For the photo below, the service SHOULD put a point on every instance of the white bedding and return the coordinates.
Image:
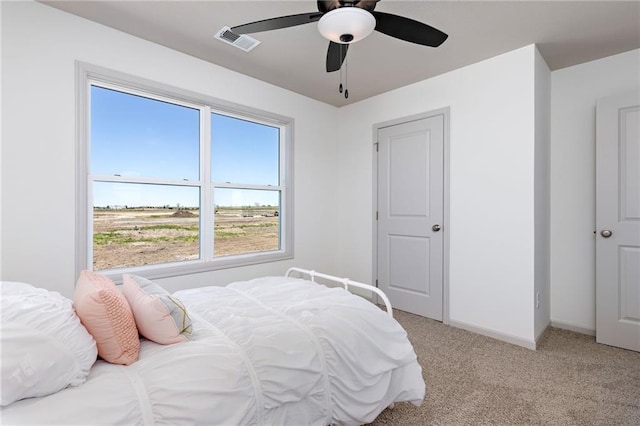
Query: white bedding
(273, 351)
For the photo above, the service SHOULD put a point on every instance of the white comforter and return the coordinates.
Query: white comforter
(271, 351)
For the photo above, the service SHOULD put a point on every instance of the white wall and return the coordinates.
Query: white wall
(39, 48)
(574, 92)
(542, 154)
(491, 187)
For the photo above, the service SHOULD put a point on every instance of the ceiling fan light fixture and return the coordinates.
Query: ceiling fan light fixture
(346, 25)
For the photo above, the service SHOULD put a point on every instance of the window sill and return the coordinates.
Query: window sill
(196, 266)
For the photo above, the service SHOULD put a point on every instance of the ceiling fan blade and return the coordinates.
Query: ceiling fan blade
(408, 30)
(277, 23)
(335, 56)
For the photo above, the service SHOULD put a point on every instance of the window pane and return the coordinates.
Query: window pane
(246, 221)
(136, 224)
(137, 136)
(243, 151)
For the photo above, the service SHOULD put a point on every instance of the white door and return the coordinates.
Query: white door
(410, 215)
(618, 221)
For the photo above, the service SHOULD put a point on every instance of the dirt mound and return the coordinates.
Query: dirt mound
(182, 213)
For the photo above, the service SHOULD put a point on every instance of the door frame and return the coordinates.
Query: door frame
(444, 112)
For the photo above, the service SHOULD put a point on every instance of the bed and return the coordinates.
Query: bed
(281, 350)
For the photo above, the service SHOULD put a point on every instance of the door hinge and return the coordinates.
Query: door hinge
(376, 282)
(377, 146)
(376, 215)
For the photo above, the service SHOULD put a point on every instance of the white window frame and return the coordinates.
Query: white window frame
(88, 75)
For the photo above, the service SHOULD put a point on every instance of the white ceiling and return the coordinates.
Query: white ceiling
(566, 32)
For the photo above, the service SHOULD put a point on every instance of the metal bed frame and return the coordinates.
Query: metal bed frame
(346, 282)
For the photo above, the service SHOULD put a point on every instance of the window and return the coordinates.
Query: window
(173, 182)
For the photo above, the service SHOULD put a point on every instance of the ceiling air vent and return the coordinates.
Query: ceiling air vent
(243, 41)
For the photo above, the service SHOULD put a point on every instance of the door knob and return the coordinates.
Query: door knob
(606, 233)
(435, 228)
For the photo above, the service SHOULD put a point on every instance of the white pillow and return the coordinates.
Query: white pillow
(159, 316)
(45, 348)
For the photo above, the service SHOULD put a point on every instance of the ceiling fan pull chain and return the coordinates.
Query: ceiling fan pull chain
(346, 78)
(340, 87)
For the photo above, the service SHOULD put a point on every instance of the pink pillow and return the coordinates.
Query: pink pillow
(159, 316)
(105, 313)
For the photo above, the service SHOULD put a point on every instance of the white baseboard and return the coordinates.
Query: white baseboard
(571, 327)
(519, 341)
(514, 340)
(544, 330)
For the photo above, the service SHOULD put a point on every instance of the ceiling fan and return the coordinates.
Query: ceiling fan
(344, 22)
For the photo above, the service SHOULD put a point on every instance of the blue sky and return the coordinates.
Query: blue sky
(137, 136)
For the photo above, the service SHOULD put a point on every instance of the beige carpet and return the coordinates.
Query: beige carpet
(476, 380)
